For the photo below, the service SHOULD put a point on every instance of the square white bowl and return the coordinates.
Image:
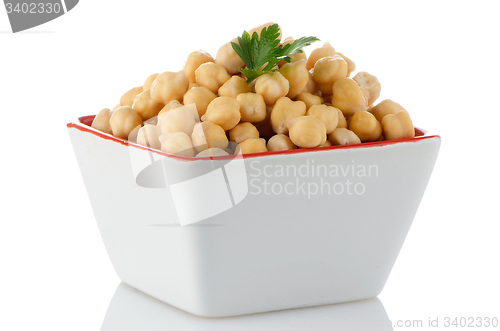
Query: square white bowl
(282, 230)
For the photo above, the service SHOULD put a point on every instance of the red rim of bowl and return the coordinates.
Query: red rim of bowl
(84, 124)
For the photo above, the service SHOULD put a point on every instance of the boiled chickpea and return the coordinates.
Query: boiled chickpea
(398, 126)
(177, 143)
(342, 120)
(125, 123)
(280, 142)
(327, 114)
(343, 136)
(223, 111)
(350, 65)
(348, 96)
(385, 107)
(283, 111)
(253, 145)
(242, 132)
(227, 57)
(294, 57)
(311, 86)
(101, 121)
(307, 131)
(234, 86)
(297, 76)
(252, 107)
(149, 136)
(327, 143)
(169, 86)
(178, 120)
(309, 99)
(370, 83)
(327, 70)
(201, 97)
(211, 152)
(325, 51)
(265, 128)
(365, 126)
(149, 81)
(194, 60)
(211, 75)
(207, 135)
(271, 86)
(128, 98)
(145, 106)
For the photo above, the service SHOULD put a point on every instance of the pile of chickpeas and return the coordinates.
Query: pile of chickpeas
(307, 103)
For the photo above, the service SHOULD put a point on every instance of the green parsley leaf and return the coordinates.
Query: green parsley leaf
(261, 55)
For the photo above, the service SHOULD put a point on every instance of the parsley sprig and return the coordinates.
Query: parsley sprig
(266, 50)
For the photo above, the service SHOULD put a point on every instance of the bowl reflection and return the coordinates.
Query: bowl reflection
(132, 310)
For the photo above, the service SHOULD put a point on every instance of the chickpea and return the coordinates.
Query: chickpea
(398, 126)
(311, 86)
(307, 131)
(169, 86)
(351, 66)
(125, 123)
(227, 57)
(370, 83)
(211, 75)
(327, 70)
(145, 106)
(259, 28)
(348, 96)
(101, 121)
(325, 51)
(327, 114)
(271, 86)
(297, 76)
(149, 81)
(252, 107)
(149, 136)
(342, 120)
(178, 120)
(283, 111)
(201, 97)
(211, 152)
(128, 98)
(191, 85)
(223, 111)
(265, 128)
(194, 60)
(253, 145)
(177, 143)
(280, 142)
(171, 105)
(234, 86)
(207, 135)
(327, 143)
(242, 132)
(385, 107)
(343, 136)
(117, 106)
(294, 57)
(365, 126)
(309, 99)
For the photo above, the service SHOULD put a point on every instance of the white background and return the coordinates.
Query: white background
(439, 59)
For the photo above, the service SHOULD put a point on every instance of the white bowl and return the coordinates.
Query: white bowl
(203, 235)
